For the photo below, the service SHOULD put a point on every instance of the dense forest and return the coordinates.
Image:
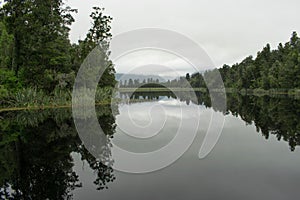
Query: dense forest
(271, 69)
(37, 58)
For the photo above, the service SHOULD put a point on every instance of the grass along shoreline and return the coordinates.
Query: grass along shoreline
(32, 99)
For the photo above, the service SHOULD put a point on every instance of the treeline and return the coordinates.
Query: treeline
(277, 70)
(271, 69)
(154, 83)
(135, 83)
(35, 50)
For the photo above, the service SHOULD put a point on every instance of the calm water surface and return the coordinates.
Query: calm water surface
(256, 157)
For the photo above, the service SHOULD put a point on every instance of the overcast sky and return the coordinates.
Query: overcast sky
(228, 30)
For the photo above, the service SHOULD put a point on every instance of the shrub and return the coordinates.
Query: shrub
(9, 81)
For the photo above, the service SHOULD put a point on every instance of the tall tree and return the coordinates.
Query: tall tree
(6, 48)
(41, 30)
(99, 35)
(14, 14)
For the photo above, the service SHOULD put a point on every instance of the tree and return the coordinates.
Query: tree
(294, 39)
(99, 35)
(14, 15)
(121, 84)
(197, 81)
(279, 68)
(6, 48)
(130, 83)
(274, 74)
(187, 77)
(40, 29)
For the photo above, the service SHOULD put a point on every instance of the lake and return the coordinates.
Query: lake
(256, 156)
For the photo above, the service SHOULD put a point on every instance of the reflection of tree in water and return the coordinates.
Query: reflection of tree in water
(104, 173)
(42, 165)
(279, 116)
(187, 97)
(35, 158)
(275, 116)
(271, 115)
(35, 147)
(146, 95)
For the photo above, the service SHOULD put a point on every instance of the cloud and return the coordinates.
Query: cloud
(150, 62)
(228, 30)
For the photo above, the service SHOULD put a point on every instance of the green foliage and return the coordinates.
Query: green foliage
(6, 47)
(36, 54)
(52, 79)
(100, 30)
(197, 80)
(98, 36)
(3, 92)
(30, 97)
(8, 81)
(103, 94)
(40, 30)
(41, 46)
(278, 69)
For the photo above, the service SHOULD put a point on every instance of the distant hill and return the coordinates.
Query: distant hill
(140, 77)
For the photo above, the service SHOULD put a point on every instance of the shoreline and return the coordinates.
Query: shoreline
(292, 93)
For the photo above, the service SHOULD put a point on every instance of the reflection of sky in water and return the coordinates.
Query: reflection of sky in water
(148, 126)
(243, 165)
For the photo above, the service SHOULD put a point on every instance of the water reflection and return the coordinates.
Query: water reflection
(271, 116)
(35, 154)
(36, 147)
(278, 115)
